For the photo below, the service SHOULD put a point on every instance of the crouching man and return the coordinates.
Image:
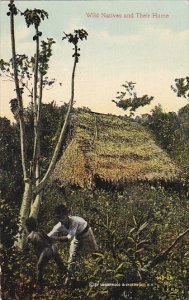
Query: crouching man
(79, 233)
(44, 248)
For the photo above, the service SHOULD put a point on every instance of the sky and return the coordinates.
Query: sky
(146, 42)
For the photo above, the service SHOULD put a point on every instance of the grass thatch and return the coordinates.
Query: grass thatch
(113, 149)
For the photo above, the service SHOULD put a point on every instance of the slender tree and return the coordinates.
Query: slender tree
(34, 184)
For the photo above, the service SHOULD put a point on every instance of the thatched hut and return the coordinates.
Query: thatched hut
(113, 150)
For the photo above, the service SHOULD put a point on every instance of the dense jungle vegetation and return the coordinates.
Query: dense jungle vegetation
(132, 225)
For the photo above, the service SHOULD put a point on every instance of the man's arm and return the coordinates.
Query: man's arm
(55, 230)
(60, 238)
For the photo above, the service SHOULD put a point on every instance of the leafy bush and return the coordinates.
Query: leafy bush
(171, 132)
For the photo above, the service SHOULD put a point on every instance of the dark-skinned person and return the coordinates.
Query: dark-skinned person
(44, 248)
(77, 231)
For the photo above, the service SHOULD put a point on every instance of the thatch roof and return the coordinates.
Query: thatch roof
(112, 149)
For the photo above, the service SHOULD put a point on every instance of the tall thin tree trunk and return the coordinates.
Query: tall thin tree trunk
(37, 201)
(36, 105)
(27, 196)
(24, 213)
(36, 205)
(19, 98)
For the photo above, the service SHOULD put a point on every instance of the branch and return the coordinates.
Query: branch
(61, 137)
(10, 80)
(26, 86)
(9, 76)
(163, 255)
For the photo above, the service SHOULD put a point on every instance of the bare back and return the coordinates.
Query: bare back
(39, 241)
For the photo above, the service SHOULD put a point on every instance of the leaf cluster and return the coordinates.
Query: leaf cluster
(25, 67)
(74, 38)
(171, 131)
(13, 9)
(4, 66)
(133, 103)
(128, 99)
(34, 17)
(181, 87)
(45, 54)
(10, 163)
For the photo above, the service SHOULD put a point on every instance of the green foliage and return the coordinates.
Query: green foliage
(8, 227)
(74, 38)
(25, 69)
(44, 56)
(34, 17)
(10, 162)
(171, 131)
(52, 118)
(181, 87)
(11, 184)
(4, 66)
(13, 9)
(131, 227)
(183, 115)
(130, 230)
(129, 99)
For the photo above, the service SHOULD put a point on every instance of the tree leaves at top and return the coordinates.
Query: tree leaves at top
(34, 17)
(13, 9)
(79, 34)
(74, 38)
(129, 99)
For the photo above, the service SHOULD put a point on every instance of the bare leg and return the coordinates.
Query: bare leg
(42, 262)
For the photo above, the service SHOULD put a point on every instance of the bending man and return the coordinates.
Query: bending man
(78, 232)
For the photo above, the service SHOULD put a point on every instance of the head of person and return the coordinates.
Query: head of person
(61, 213)
(31, 224)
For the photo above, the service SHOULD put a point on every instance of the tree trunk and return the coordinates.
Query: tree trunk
(24, 213)
(36, 106)
(36, 204)
(27, 196)
(19, 98)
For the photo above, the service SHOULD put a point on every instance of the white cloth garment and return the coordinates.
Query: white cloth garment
(82, 245)
(77, 225)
